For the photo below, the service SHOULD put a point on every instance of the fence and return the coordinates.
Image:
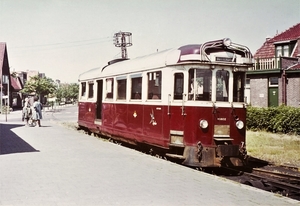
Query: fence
(266, 63)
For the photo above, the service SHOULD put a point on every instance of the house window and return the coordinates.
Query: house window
(278, 51)
(282, 51)
(286, 51)
(247, 81)
(273, 81)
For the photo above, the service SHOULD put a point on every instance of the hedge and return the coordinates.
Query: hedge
(282, 119)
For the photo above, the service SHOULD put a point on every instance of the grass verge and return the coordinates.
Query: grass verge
(276, 148)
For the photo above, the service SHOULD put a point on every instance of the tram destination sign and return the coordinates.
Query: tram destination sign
(225, 59)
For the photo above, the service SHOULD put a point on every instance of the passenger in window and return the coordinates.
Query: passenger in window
(199, 88)
(155, 96)
(136, 88)
(137, 96)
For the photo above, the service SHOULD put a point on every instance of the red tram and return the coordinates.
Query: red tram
(188, 101)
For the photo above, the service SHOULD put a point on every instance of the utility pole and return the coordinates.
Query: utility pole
(123, 40)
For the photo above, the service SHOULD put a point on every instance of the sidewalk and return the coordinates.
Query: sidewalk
(52, 165)
(11, 116)
(16, 115)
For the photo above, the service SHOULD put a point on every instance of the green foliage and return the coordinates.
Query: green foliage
(39, 85)
(282, 119)
(67, 92)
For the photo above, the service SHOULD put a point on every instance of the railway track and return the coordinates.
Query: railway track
(274, 179)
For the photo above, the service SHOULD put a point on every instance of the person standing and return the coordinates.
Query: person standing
(26, 111)
(37, 110)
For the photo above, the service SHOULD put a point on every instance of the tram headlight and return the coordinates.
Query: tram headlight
(203, 124)
(239, 124)
(227, 42)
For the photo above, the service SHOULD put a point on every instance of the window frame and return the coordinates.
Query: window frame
(177, 92)
(90, 90)
(227, 86)
(109, 94)
(136, 89)
(272, 84)
(83, 89)
(154, 85)
(204, 88)
(121, 88)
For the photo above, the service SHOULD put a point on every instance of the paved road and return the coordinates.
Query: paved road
(53, 165)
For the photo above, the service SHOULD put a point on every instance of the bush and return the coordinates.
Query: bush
(282, 119)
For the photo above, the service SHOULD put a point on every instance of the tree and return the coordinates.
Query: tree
(73, 91)
(39, 86)
(67, 92)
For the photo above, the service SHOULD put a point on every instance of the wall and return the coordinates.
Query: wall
(293, 91)
(259, 92)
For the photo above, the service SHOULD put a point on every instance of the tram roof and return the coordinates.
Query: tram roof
(156, 60)
(192, 52)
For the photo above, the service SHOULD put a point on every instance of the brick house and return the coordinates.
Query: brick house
(275, 77)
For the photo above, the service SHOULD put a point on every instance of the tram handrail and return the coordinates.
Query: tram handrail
(221, 43)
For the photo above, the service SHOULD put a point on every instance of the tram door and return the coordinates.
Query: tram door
(176, 109)
(99, 99)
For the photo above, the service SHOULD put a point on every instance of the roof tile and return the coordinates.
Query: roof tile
(267, 50)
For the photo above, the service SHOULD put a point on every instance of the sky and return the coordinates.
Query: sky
(64, 38)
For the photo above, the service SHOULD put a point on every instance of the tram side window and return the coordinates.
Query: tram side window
(222, 85)
(154, 85)
(83, 89)
(136, 88)
(238, 86)
(178, 85)
(109, 88)
(91, 90)
(200, 87)
(121, 89)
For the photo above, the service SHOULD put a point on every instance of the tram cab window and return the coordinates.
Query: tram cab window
(200, 84)
(222, 85)
(91, 90)
(136, 88)
(109, 88)
(178, 85)
(154, 85)
(83, 89)
(121, 89)
(238, 86)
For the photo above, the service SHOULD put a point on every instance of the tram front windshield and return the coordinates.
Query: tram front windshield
(200, 84)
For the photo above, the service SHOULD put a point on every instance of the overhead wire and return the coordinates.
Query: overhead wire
(60, 45)
(29, 49)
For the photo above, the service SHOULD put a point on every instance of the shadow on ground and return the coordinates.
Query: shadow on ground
(12, 143)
